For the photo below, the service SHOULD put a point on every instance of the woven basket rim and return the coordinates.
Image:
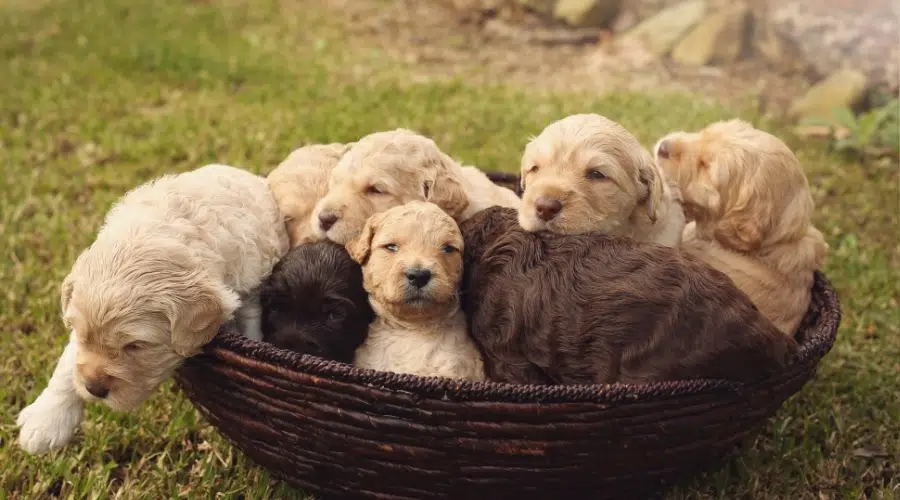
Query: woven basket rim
(238, 350)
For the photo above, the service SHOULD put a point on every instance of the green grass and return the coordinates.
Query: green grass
(96, 97)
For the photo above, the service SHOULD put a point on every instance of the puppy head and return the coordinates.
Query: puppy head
(742, 185)
(138, 310)
(586, 173)
(385, 170)
(412, 262)
(314, 302)
(484, 228)
(299, 182)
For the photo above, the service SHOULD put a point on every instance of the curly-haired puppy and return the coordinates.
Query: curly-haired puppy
(299, 182)
(387, 169)
(750, 206)
(411, 268)
(314, 302)
(589, 308)
(175, 258)
(587, 173)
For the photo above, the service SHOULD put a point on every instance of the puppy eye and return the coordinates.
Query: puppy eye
(134, 346)
(532, 169)
(595, 174)
(390, 247)
(448, 248)
(374, 190)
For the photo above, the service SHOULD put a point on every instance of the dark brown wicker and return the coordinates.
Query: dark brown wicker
(337, 431)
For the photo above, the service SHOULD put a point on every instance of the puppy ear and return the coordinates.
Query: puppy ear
(196, 320)
(446, 189)
(360, 247)
(744, 224)
(650, 177)
(65, 291)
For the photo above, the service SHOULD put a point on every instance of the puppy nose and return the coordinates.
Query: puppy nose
(418, 277)
(547, 208)
(662, 150)
(327, 219)
(96, 388)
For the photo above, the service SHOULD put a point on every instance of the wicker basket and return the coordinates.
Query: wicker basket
(341, 432)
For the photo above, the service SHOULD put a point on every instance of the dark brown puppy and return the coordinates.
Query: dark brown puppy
(314, 302)
(582, 309)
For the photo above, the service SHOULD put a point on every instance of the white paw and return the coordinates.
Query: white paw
(49, 423)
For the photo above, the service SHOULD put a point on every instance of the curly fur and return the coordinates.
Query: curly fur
(583, 309)
(314, 302)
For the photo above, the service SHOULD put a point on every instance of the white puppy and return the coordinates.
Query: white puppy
(412, 267)
(175, 258)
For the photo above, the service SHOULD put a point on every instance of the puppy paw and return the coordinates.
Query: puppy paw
(49, 423)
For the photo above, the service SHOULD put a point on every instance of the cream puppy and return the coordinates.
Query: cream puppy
(387, 169)
(750, 206)
(175, 258)
(586, 173)
(299, 182)
(412, 267)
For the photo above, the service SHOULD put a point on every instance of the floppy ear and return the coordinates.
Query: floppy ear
(65, 292)
(744, 224)
(360, 247)
(650, 177)
(196, 320)
(446, 190)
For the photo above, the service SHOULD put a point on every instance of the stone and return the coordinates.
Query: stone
(780, 52)
(662, 31)
(844, 88)
(718, 39)
(541, 7)
(587, 13)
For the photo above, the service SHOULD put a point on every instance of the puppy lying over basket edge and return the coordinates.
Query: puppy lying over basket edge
(545, 308)
(412, 266)
(175, 258)
(314, 302)
(387, 169)
(750, 206)
(587, 173)
(299, 182)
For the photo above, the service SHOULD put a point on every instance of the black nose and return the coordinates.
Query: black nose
(418, 277)
(97, 389)
(547, 208)
(327, 219)
(662, 150)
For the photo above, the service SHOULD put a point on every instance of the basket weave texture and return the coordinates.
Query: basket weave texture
(337, 431)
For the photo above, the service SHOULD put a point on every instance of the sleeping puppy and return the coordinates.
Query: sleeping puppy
(175, 258)
(586, 173)
(388, 169)
(314, 303)
(411, 268)
(299, 182)
(593, 309)
(750, 206)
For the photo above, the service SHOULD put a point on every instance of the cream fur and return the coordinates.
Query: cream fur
(299, 182)
(388, 169)
(417, 331)
(173, 260)
(751, 208)
(631, 196)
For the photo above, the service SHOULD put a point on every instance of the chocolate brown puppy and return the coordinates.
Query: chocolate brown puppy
(582, 309)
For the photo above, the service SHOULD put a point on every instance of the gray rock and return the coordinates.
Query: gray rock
(717, 39)
(587, 13)
(843, 88)
(662, 31)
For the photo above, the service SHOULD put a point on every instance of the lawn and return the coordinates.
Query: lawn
(97, 97)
